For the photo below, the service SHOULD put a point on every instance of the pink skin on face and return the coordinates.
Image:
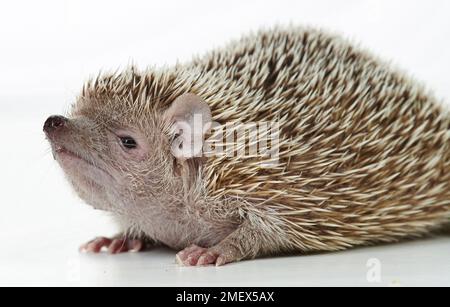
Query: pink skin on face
(76, 163)
(118, 176)
(138, 153)
(92, 176)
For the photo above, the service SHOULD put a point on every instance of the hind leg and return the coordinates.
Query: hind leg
(244, 243)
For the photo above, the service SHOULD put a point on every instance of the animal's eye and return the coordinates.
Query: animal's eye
(128, 142)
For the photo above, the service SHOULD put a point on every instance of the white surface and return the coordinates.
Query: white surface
(48, 48)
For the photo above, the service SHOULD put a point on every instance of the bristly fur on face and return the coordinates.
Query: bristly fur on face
(364, 150)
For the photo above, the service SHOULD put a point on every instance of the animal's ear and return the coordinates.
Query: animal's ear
(190, 119)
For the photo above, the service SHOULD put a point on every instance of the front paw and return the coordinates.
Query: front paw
(196, 256)
(114, 245)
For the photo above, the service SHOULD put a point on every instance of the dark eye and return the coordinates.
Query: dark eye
(128, 142)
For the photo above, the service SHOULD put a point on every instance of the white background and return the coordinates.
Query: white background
(49, 48)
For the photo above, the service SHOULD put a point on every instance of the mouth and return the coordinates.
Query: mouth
(62, 151)
(63, 154)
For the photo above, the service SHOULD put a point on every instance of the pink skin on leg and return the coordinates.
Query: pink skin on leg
(243, 243)
(195, 256)
(114, 246)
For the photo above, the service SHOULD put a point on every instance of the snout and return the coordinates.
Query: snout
(54, 123)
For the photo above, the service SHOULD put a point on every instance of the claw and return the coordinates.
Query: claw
(114, 246)
(197, 256)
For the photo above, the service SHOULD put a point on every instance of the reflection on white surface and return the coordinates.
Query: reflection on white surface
(406, 264)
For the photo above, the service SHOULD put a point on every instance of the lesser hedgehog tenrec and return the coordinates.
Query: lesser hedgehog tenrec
(363, 151)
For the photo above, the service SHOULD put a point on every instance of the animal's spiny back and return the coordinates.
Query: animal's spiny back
(364, 149)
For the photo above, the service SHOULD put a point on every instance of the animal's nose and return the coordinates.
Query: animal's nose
(54, 122)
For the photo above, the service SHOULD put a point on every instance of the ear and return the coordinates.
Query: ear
(190, 119)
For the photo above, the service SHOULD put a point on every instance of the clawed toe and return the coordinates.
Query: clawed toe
(196, 256)
(96, 245)
(114, 246)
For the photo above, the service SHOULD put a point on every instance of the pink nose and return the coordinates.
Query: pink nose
(54, 122)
